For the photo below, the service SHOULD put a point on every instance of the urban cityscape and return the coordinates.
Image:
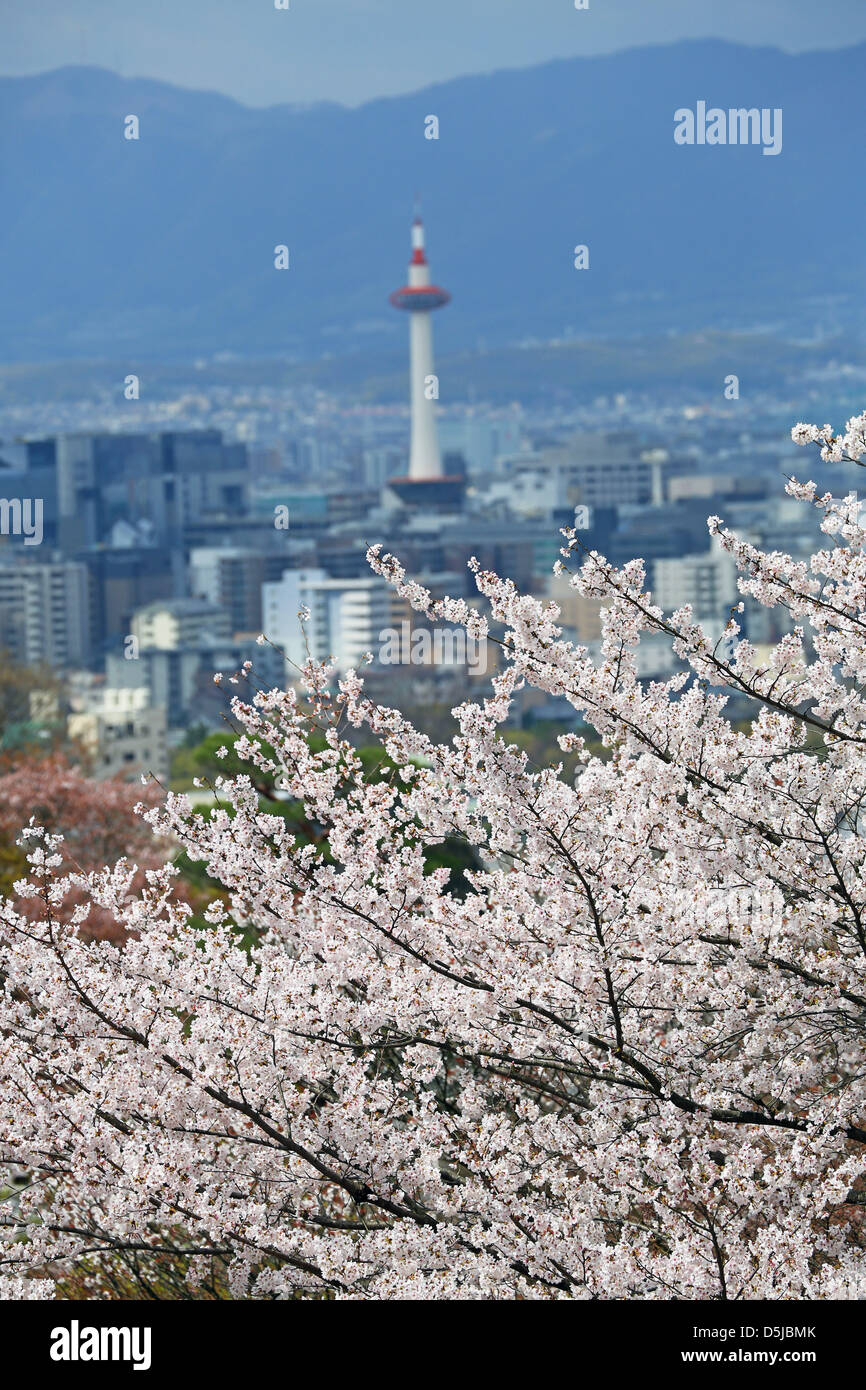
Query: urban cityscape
(166, 550)
(432, 671)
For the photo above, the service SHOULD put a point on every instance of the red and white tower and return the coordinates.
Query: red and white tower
(425, 484)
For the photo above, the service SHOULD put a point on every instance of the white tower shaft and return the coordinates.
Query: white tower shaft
(420, 297)
(425, 460)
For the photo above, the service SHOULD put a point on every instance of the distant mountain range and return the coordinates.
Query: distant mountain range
(164, 246)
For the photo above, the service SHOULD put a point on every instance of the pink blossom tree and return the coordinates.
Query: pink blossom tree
(628, 1064)
(97, 821)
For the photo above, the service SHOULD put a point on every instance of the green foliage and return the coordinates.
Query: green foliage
(13, 865)
(202, 762)
(539, 743)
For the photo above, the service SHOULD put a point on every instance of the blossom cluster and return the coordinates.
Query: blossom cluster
(850, 446)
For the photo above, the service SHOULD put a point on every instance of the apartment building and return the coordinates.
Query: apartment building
(180, 623)
(45, 613)
(121, 732)
(346, 616)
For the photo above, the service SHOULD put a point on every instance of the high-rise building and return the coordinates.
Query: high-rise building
(124, 578)
(169, 479)
(177, 623)
(597, 470)
(28, 471)
(346, 617)
(231, 578)
(708, 582)
(45, 613)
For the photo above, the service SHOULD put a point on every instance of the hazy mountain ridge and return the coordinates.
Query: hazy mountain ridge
(165, 245)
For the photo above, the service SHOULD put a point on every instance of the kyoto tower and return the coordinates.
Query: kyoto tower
(425, 484)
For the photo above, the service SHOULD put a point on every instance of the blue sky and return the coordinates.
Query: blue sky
(352, 50)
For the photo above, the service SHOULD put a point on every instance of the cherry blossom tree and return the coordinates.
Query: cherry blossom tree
(627, 1064)
(96, 819)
